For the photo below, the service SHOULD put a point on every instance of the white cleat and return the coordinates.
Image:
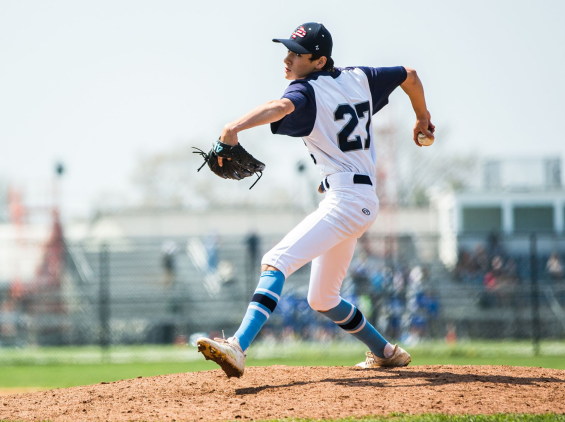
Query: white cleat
(400, 357)
(226, 353)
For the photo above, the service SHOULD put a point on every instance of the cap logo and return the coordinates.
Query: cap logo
(299, 32)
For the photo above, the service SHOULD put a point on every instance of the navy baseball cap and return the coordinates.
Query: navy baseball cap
(309, 38)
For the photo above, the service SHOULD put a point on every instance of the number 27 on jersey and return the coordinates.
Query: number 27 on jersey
(355, 143)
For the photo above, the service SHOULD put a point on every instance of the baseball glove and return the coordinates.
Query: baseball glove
(237, 162)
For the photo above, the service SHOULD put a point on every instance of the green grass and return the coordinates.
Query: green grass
(59, 376)
(441, 418)
(93, 354)
(432, 352)
(67, 367)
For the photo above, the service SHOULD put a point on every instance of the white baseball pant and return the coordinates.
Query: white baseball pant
(327, 237)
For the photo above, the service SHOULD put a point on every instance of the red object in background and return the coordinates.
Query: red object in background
(46, 287)
(16, 289)
(490, 281)
(42, 294)
(16, 207)
(50, 270)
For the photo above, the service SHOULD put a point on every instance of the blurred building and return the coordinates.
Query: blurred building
(233, 221)
(517, 196)
(3, 203)
(149, 275)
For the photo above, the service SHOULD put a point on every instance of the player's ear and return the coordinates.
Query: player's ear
(321, 62)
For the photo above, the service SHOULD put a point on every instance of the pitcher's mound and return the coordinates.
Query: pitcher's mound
(306, 392)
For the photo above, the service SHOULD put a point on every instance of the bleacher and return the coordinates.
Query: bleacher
(124, 292)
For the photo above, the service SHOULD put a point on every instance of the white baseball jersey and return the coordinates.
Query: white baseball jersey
(333, 115)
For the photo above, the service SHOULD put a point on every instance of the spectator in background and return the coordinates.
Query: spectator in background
(396, 310)
(508, 281)
(253, 243)
(463, 267)
(398, 283)
(450, 335)
(211, 244)
(554, 267)
(511, 270)
(364, 266)
(252, 260)
(494, 245)
(504, 284)
(169, 250)
(472, 267)
(167, 329)
(481, 260)
(492, 285)
(361, 273)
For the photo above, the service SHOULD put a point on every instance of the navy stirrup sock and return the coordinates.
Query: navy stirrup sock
(350, 319)
(263, 303)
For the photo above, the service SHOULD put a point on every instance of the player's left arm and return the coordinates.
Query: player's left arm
(269, 112)
(413, 87)
(266, 113)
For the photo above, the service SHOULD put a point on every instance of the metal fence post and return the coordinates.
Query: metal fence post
(536, 326)
(104, 298)
(252, 262)
(389, 252)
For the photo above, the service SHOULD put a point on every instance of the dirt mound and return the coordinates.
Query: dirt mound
(312, 392)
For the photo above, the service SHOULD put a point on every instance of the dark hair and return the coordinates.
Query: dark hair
(329, 66)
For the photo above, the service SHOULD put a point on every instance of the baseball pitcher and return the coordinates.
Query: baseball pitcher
(330, 108)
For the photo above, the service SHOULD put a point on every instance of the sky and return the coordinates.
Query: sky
(100, 84)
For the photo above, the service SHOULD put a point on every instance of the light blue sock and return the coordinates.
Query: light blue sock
(262, 305)
(350, 319)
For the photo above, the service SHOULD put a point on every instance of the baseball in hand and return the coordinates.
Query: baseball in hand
(424, 140)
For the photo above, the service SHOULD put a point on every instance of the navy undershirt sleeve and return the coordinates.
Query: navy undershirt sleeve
(301, 121)
(382, 81)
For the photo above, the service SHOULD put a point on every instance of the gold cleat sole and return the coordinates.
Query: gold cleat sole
(398, 365)
(211, 353)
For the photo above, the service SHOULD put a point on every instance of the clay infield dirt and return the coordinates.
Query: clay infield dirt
(309, 392)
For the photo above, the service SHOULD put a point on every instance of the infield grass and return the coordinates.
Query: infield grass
(441, 418)
(61, 367)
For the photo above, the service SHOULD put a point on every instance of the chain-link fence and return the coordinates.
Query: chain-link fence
(510, 286)
(163, 291)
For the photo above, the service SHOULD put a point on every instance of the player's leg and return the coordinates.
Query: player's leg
(263, 303)
(328, 273)
(332, 223)
(329, 225)
(230, 353)
(317, 233)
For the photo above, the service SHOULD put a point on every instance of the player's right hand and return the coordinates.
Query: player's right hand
(425, 126)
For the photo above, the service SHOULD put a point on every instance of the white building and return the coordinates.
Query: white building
(518, 197)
